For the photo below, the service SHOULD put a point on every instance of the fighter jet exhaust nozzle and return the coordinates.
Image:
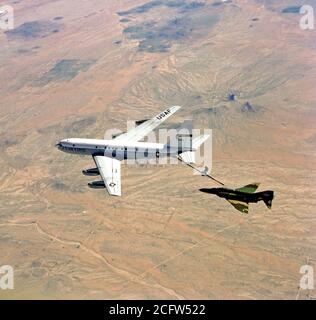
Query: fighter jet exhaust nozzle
(96, 185)
(91, 172)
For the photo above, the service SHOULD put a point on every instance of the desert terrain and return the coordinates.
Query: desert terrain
(242, 68)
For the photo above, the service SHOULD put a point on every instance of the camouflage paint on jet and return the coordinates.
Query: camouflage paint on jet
(240, 198)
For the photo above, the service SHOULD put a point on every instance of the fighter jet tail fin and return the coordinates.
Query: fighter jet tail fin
(267, 197)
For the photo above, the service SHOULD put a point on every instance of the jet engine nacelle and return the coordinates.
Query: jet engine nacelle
(91, 172)
(139, 122)
(117, 135)
(96, 185)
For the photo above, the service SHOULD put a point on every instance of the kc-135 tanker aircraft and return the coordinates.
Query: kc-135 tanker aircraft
(108, 154)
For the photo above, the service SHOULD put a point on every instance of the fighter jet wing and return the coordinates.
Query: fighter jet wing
(250, 188)
(240, 205)
(110, 171)
(139, 132)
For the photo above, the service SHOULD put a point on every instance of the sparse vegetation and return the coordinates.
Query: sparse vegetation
(291, 9)
(64, 70)
(33, 29)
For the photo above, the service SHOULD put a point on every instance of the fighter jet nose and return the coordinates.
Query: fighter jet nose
(209, 190)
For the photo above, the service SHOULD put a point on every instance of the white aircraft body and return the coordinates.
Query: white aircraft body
(109, 154)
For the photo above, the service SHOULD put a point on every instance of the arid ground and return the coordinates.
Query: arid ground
(243, 68)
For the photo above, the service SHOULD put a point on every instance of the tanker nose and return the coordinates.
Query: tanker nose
(58, 145)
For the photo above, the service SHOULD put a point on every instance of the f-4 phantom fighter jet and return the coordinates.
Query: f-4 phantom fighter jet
(108, 154)
(240, 198)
